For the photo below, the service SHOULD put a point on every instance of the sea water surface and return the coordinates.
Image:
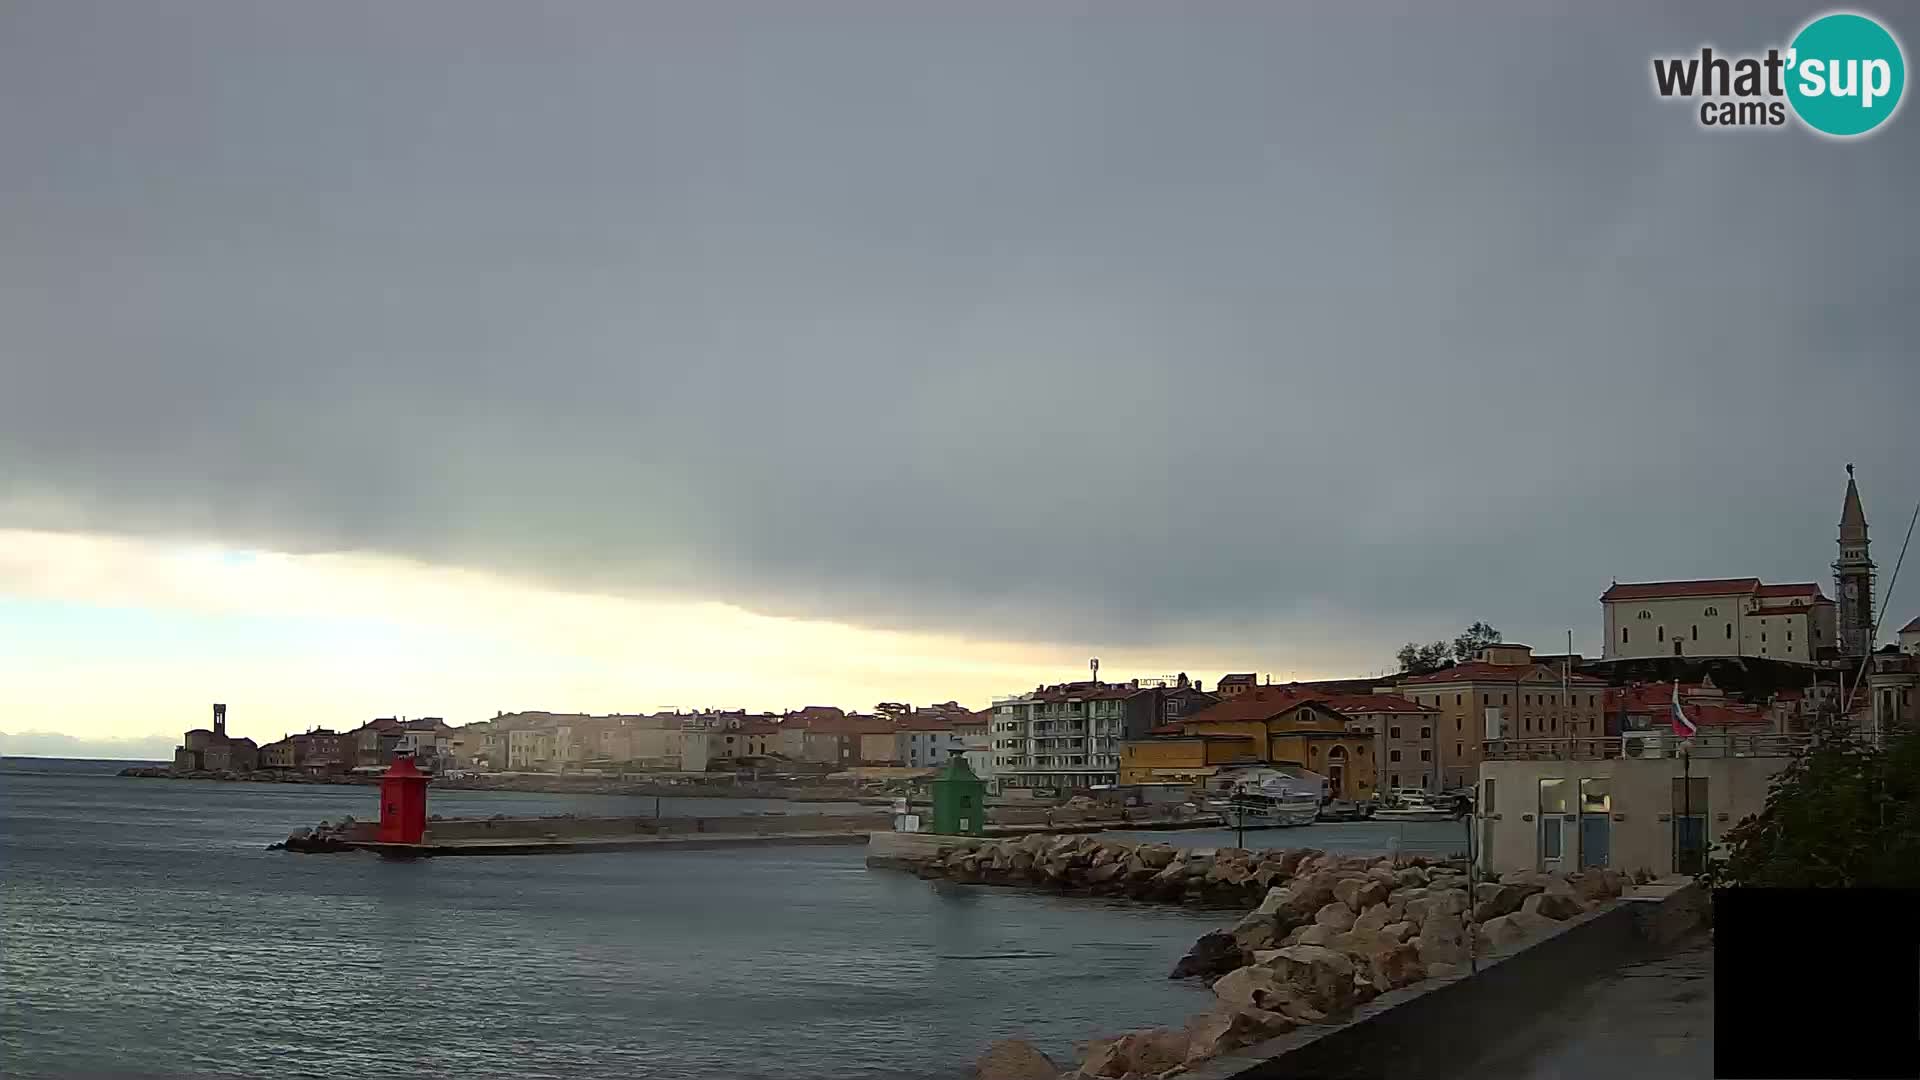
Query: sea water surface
(145, 930)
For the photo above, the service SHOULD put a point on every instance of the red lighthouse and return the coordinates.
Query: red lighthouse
(403, 803)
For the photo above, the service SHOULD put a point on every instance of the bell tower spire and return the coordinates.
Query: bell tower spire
(1853, 576)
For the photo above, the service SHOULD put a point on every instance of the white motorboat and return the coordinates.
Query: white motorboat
(1266, 810)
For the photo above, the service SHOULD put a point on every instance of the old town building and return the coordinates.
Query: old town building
(1502, 693)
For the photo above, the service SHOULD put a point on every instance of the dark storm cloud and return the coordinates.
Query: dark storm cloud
(1123, 325)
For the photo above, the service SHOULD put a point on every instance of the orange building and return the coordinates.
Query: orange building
(1262, 725)
(1503, 694)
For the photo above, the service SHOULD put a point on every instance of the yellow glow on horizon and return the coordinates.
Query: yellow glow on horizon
(334, 639)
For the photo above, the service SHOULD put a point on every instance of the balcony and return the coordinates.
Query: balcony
(1650, 744)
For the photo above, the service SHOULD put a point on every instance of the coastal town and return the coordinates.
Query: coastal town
(1639, 759)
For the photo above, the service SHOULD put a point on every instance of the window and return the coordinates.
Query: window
(1789, 635)
(1644, 614)
(1426, 733)
(1526, 699)
(1729, 631)
(1393, 755)
(1456, 723)
(1553, 812)
(1426, 755)
(1623, 635)
(1763, 635)
(1661, 634)
(1456, 699)
(1456, 752)
(1487, 803)
(1696, 631)
(1393, 733)
(1393, 779)
(1712, 611)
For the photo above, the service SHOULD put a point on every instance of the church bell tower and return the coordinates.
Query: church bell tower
(1853, 576)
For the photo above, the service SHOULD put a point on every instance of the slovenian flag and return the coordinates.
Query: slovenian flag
(1682, 726)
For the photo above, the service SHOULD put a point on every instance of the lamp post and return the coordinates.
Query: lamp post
(1239, 818)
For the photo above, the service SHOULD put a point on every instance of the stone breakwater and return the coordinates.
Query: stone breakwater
(1209, 877)
(1328, 932)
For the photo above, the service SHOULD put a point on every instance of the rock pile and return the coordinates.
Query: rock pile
(326, 836)
(1220, 877)
(1338, 932)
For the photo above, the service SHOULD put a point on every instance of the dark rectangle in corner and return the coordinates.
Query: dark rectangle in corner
(1839, 967)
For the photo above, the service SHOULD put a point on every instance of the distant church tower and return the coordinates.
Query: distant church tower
(1853, 576)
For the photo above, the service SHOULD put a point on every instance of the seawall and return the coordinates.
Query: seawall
(1440, 1024)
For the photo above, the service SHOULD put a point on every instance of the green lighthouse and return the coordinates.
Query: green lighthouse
(959, 799)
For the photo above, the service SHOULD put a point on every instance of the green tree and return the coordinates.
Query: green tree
(1844, 814)
(1473, 639)
(1418, 659)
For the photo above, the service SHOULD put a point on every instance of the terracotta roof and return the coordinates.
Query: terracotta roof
(1376, 703)
(1166, 729)
(759, 726)
(1245, 678)
(925, 723)
(1658, 590)
(1912, 627)
(1804, 588)
(1481, 671)
(1258, 703)
(1656, 700)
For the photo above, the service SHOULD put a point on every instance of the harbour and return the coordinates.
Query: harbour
(149, 922)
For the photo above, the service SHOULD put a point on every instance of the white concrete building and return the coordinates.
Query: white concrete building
(1725, 617)
(1064, 737)
(1550, 805)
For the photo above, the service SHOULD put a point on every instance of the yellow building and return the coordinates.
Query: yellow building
(1183, 759)
(1263, 725)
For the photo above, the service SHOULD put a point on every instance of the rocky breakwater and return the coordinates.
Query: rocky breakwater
(1337, 932)
(1212, 877)
(324, 837)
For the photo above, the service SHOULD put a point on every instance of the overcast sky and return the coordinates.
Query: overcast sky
(1263, 335)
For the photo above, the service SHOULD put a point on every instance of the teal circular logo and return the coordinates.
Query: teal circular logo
(1845, 74)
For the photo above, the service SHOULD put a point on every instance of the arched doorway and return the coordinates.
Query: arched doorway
(1337, 772)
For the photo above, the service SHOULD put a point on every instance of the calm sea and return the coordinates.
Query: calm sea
(146, 930)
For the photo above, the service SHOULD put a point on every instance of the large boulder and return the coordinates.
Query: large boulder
(1315, 934)
(1336, 915)
(1502, 930)
(1290, 860)
(1552, 905)
(1361, 893)
(1399, 931)
(1410, 877)
(1214, 954)
(1373, 918)
(1493, 899)
(1309, 893)
(1015, 1059)
(1250, 985)
(1276, 899)
(1395, 967)
(1255, 931)
(1229, 1028)
(1136, 1053)
(1323, 975)
(1434, 901)
(1156, 856)
(1442, 939)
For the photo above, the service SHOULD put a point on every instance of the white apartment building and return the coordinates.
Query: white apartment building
(1725, 617)
(1063, 737)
